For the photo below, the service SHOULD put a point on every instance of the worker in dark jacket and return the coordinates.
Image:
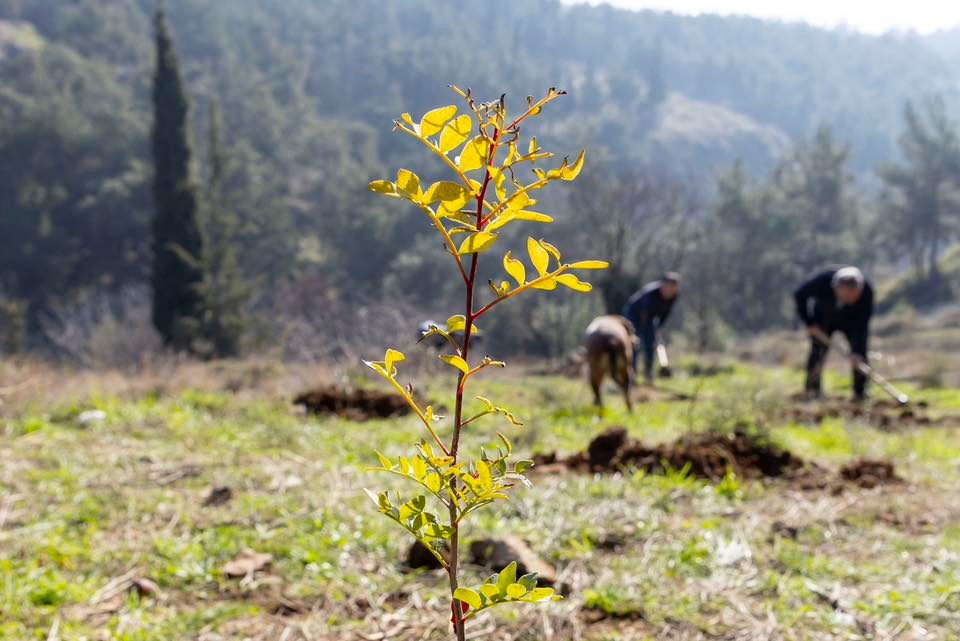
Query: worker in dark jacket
(648, 309)
(836, 300)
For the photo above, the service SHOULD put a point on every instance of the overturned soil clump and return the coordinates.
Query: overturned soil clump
(356, 405)
(710, 455)
(868, 473)
(707, 455)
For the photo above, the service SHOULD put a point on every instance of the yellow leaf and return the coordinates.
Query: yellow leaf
(534, 216)
(392, 356)
(434, 120)
(409, 184)
(532, 147)
(574, 283)
(515, 268)
(483, 474)
(468, 596)
(548, 285)
(452, 195)
(474, 154)
(539, 594)
(518, 201)
(477, 242)
(550, 248)
(455, 361)
(571, 172)
(515, 590)
(406, 118)
(590, 264)
(384, 461)
(538, 256)
(490, 590)
(382, 187)
(455, 133)
(377, 367)
(502, 220)
(512, 155)
(456, 323)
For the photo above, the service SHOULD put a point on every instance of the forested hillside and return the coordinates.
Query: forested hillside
(308, 89)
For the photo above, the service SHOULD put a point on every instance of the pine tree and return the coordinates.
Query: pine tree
(177, 237)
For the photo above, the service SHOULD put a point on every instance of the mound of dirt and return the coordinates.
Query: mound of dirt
(868, 473)
(356, 405)
(710, 455)
(707, 455)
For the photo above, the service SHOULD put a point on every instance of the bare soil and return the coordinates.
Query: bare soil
(708, 456)
(356, 405)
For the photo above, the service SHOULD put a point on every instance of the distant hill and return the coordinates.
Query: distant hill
(308, 90)
(367, 60)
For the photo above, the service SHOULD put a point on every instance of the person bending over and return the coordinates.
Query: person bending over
(836, 300)
(648, 310)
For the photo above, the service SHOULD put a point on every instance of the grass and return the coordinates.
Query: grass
(644, 556)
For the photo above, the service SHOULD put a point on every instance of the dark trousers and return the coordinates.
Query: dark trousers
(818, 357)
(648, 339)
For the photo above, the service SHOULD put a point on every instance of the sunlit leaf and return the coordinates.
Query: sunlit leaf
(483, 474)
(384, 461)
(533, 216)
(434, 120)
(477, 242)
(408, 184)
(406, 118)
(515, 590)
(590, 264)
(572, 171)
(474, 154)
(538, 256)
(507, 576)
(468, 596)
(539, 594)
(382, 187)
(452, 195)
(518, 201)
(458, 323)
(392, 356)
(551, 249)
(490, 590)
(574, 283)
(515, 268)
(456, 361)
(532, 147)
(455, 133)
(548, 285)
(502, 220)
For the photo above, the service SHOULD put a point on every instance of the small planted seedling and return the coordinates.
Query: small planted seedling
(489, 190)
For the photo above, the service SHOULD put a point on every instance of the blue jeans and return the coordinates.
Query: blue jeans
(648, 336)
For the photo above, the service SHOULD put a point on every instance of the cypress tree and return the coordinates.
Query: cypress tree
(224, 290)
(177, 237)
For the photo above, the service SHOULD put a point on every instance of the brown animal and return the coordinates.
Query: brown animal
(609, 342)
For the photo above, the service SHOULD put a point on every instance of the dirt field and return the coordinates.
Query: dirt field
(203, 504)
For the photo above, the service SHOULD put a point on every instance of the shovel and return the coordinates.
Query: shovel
(864, 368)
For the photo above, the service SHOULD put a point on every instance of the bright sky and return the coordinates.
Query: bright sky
(877, 16)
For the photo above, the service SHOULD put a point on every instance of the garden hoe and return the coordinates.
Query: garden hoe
(864, 368)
